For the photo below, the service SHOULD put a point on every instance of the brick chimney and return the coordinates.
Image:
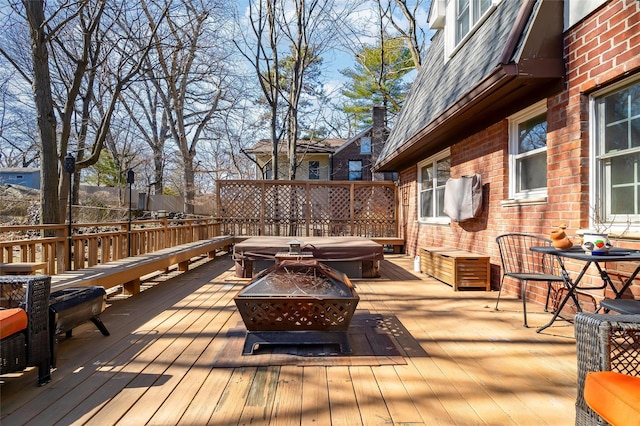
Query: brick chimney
(379, 116)
(379, 136)
(378, 133)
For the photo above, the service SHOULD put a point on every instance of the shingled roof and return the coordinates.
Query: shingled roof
(328, 145)
(513, 60)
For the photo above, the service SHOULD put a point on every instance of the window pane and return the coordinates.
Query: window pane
(532, 134)
(355, 170)
(426, 204)
(635, 133)
(532, 172)
(634, 99)
(427, 177)
(365, 145)
(440, 206)
(314, 170)
(462, 19)
(443, 171)
(615, 136)
(622, 169)
(616, 107)
(624, 184)
(622, 201)
(480, 7)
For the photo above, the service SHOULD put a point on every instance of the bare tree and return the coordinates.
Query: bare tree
(263, 54)
(409, 30)
(189, 70)
(70, 41)
(288, 41)
(146, 111)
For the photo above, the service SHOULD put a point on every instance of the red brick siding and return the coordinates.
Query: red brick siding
(599, 50)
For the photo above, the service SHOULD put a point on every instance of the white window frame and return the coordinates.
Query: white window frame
(451, 25)
(431, 162)
(539, 194)
(600, 216)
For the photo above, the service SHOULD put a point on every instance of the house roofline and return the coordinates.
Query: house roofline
(512, 85)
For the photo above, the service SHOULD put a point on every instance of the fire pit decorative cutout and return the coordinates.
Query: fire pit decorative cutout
(297, 302)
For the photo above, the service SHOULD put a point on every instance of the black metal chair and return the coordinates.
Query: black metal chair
(520, 263)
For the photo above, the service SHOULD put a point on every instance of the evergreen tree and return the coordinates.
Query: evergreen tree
(377, 78)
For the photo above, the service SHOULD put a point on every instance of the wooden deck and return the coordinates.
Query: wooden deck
(422, 354)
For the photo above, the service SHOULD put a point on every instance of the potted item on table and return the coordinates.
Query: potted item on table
(596, 243)
(559, 238)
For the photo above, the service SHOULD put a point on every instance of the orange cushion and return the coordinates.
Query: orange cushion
(12, 321)
(614, 396)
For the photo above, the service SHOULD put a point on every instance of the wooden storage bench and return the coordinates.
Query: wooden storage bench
(457, 268)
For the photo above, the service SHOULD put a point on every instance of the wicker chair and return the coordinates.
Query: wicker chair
(519, 262)
(31, 347)
(604, 343)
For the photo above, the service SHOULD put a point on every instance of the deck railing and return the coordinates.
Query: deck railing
(95, 243)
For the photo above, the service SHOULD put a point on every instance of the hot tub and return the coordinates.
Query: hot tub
(358, 257)
(297, 302)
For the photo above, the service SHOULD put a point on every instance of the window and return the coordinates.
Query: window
(267, 171)
(355, 169)
(314, 170)
(365, 145)
(528, 153)
(468, 14)
(615, 198)
(432, 177)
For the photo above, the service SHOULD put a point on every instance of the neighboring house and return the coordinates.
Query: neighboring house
(23, 176)
(314, 159)
(329, 159)
(354, 159)
(542, 99)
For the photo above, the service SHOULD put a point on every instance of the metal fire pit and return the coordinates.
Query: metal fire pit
(297, 302)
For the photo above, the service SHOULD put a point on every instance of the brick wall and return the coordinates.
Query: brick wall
(601, 49)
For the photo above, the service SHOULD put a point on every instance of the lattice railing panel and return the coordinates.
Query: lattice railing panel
(306, 208)
(239, 200)
(376, 202)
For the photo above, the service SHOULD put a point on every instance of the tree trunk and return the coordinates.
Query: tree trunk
(189, 186)
(49, 205)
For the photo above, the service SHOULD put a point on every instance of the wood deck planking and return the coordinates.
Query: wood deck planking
(234, 396)
(188, 349)
(342, 397)
(315, 396)
(155, 361)
(288, 402)
(467, 392)
(101, 387)
(259, 404)
(371, 404)
(206, 398)
(454, 374)
(398, 401)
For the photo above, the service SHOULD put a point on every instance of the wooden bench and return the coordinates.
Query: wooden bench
(455, 267)
(23, 268)
(127, 272)
(397, 243)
